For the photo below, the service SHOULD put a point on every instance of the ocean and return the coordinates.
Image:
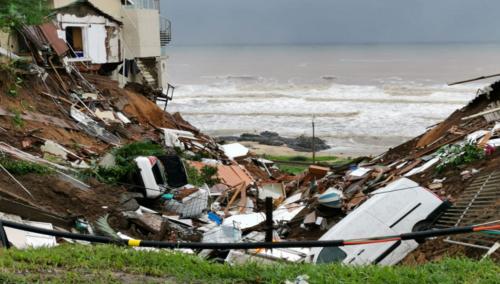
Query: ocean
(364, 98)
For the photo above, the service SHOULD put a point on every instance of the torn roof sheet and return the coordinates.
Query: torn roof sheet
(232, 176)
(234, 150)
(422, 168)
(245, 221)
(49, 30)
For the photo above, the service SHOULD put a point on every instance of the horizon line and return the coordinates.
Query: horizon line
(333, 43)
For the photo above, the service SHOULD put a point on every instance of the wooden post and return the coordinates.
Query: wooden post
(474, 79)
(313, 142)
(269, 219)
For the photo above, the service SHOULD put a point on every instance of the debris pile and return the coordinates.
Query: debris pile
(78, 153)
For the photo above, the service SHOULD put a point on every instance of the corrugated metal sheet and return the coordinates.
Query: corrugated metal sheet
(49, 30)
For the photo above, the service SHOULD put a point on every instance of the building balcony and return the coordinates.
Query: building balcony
(142, 4)
(165, 31)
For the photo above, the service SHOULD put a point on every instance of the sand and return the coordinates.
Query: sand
(260, 149)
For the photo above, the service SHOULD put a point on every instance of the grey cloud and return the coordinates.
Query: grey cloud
(332, 21)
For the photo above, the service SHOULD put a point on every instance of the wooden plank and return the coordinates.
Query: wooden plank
(473, 79)
(38, 117)
(233, 198)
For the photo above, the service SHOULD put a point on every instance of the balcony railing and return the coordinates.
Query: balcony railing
(142, 4)
(165, 31)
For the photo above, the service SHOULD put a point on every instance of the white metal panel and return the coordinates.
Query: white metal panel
(399, 253)
(96, 43)
(234, 150)
(148, 178)
(36, 240)
(373, 218)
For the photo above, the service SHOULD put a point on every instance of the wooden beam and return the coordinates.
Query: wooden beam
(474, 79)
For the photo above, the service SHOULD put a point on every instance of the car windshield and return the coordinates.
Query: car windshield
(159, 173)
(331, 254)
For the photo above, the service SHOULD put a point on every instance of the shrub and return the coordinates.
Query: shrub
(125, 165)
(17, 120)
(207, 175)
(18, 167)
(16, 13)
(458, 154)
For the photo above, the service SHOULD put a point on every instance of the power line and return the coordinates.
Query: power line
(256, 245)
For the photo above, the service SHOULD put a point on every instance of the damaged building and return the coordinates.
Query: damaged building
(93, 36)
(116, 38)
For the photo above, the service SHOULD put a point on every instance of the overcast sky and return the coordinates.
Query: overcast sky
(332, 21)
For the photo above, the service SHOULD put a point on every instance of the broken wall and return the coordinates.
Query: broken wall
(161, 67)
(9, 44)
(100, 35)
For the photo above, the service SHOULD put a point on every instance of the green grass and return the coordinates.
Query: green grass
(104, 264)
(294, 170)
(297, 169)
(18, 167)
(300, 158)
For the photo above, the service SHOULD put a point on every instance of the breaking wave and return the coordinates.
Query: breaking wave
(388, 101)
(276, 114)
(348, 116)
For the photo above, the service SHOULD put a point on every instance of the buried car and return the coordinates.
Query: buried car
(400, 207)
(156, 174)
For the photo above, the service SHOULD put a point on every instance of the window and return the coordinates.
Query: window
(74, 37)
(159, 173)
(331, 254)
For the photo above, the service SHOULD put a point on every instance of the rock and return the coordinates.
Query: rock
(305, 144)
(269, 134)
(302, 143)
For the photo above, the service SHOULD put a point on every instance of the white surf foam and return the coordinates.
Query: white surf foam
(395, 109)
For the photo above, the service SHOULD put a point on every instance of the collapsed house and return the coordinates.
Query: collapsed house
(119, 39)
(92, 35)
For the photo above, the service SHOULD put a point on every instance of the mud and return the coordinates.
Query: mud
(57, 196)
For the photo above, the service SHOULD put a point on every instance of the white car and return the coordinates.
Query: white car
(152, 175)
(400, 207)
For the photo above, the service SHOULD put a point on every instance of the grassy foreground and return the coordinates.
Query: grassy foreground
(104, 264)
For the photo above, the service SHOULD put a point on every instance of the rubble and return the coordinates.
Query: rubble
(22, 239)
(332, 197)
(121, 166)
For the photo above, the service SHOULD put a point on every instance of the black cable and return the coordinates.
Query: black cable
(256, 245)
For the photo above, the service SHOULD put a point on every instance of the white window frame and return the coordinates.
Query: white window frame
(84, 28)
